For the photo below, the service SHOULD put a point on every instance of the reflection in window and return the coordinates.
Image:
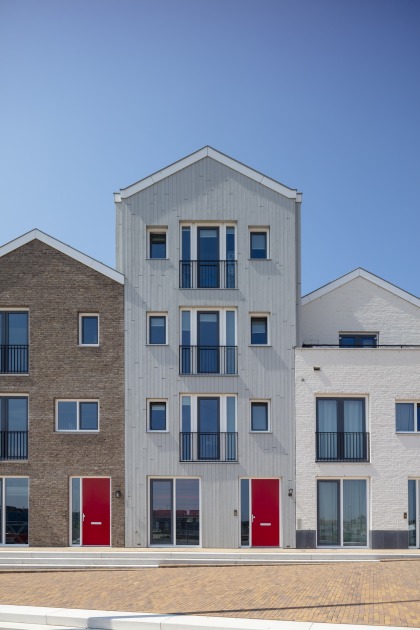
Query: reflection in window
(15, 505)
(175, 508)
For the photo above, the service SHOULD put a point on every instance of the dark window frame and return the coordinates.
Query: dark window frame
(157, 234)
(150, 415)
(358, 338)
(259, 318)
(254, 250)
(261, 404)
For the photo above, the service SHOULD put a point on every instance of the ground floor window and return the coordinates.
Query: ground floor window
(342, 512)
(175, 511)
(14, 505)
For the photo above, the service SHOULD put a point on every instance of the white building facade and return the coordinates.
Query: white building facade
(358, 416)
(210, 250)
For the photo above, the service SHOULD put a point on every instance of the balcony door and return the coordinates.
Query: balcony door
(208, 257)
(341, 429)
(208, 425)
(342, 513)
(13, 342)
(13, 428)
(208, 341)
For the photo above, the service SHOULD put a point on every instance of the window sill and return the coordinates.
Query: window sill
(157, 259)
(407, 432)
(78, 432)
(260, 259)
(260, 432)
(157, 345)
(152, 431)
(89, 345)
(260, 345)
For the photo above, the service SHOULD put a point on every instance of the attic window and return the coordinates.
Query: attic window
(358, 340)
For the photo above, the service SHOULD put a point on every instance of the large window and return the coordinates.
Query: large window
(407, 416)
(14, 340)
(208, 257)
(175, 512)
(208, 428)
(342, 513)
(14, 505)
(77, 415)
(341, 430)
(13, 427)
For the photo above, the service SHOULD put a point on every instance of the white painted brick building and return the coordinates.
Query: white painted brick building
(358, 415)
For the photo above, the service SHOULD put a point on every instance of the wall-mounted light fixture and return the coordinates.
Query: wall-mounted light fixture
(290, 493)
(316, 368)
(118, 494)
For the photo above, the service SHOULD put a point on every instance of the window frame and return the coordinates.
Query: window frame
(261, 402)
(150, 316)
(416, 416)
(3, 522)
(87, 345)
(173, 479)
(149, 403)
(357, 337)
(4, 339)
(265, 316)
(78, 401)
(156, 230)
(254, 230)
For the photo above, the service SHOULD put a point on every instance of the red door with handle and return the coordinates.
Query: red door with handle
(265, 512)
(96, 512)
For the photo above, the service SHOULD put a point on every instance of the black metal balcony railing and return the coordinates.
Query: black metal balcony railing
(14, 359)
(208, 447)
(208, 360)
(342, 447)
(13, 445)
(208, 274)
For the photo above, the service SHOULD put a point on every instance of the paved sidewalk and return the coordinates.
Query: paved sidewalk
(380, 593)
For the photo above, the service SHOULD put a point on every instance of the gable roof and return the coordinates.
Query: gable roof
(64, 249)
(290, 193)
(360, 273)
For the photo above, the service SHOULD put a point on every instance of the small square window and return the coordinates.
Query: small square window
(157, 415)
(157, 244)
(259, 416)
(259, 245)
(88, 329)
(157, 329)
(77, 415)
(259, 331)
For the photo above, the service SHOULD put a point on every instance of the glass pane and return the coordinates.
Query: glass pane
(187, 512)
(186, 437)
(367, 342)
(353, 416)
(186, 265)
(412, 513)
(186, 350)
(354, 512)
(418, 417)
(327, 427)
(259, 416)
(328, 513)
(348, 341)
(208, 428)
(230, 357)
(157, 332)
(208, 342)
(17, 414)
(18, 328)
(258, 245)
(404, 416)
(158, 245)
(88, 416)
(186, 243)
(157, 416)
(208, 257)
(1, 511)
(259, 330)
(161, 512)
(15, 356)
(16, 504)
(231, 428)
(245, 512)
(67, 415)
(230, 257)
(75, 511)
(90, 330)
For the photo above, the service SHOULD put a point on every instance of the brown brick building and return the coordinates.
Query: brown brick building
(61, 396)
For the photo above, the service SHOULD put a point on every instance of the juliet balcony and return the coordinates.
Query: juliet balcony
(13, 445)
(208, 274)
(14, 359)
(208, 360)
(208, 447)
(342, 447)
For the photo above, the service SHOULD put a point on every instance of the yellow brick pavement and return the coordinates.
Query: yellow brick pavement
(375, 593)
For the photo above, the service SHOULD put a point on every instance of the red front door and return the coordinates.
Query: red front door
(265, 512)
(96, 517)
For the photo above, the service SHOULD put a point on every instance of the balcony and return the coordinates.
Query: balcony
(14, 359)
(208, 274)
(208, 360)
(342, 447)
(13, 445)
(208, 447)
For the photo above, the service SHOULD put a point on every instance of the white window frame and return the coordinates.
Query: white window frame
(263, 229)
(88, 345)
(156, 230)
(222, 410)
(156, 314)
(150, 401)
(408, 402)
(3, 512)
(222, 236)
(203, 309)
(78, 401)
(266, 401)
(256, 316)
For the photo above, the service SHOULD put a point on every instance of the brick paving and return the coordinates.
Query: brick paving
(374, 593)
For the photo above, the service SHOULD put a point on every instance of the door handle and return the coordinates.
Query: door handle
(83, 516)
(252, 518)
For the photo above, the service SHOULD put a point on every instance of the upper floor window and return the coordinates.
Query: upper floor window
(157, 415)
(77, 415)
(259, 330)
(260, 416)
(14, 348)
(341, 430)
(358, 340)
(157, 243)
(88, 329)
(156, 329)
(208, 257)
(13, 427)
(407, 416)
(258, 241)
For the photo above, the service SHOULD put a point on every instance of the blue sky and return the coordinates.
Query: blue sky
(322, 95)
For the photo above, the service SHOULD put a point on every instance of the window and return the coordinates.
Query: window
(14, 507)
(208, 257)
(407, 417)
(259, 330)
(13, 428)
(88, 329)
(14, 348)
(259, 416)
(157, 415)
(358, 340)
(157, 244)
(157, 329)
(258, 243)
(175, 511)
(342, 513)
(208, 428)
(77, 415)
(413, 503)
(341, 430)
